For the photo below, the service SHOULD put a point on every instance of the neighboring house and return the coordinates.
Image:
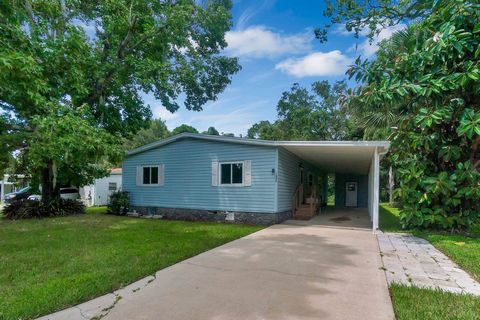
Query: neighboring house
(202, 177)
(98, 193)
(7, 186)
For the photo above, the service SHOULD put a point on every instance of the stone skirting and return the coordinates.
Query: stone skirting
(206, 215)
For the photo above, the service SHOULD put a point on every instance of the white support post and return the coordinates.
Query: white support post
(370, 190)
(376, 188)
(2, 192)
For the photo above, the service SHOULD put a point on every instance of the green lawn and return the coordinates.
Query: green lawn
(414, 303)
(53, 263)
(389, 218)
(464, 250)
(331, 200)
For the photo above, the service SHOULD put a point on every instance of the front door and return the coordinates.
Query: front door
(351, 194)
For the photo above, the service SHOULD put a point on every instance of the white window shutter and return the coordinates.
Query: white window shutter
(248, 173)
(161, 174)
(139, 175)
(214, 173)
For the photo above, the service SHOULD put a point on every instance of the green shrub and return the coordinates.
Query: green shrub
(427, 79)
(20, 209)
(119, 203)
(64, 207)
(23, 209)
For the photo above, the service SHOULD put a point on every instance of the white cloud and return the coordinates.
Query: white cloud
(342, 30)
(331, 63)
(245, 17)
(162, 113)
(368, 48)
(258, 42)
(251, 11)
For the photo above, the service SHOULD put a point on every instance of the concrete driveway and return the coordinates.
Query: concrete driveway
(325, 268)
(286, 271)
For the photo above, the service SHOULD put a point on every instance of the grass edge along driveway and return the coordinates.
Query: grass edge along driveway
(411, 303)
(51, 264)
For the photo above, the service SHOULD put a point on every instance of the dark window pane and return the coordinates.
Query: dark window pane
(154, 175)
(68, 190)
(237, 173)
(146, 175)
(226, 173)
(112, 186)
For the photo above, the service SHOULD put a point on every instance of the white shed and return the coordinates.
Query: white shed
(98, 193)
(5, 187)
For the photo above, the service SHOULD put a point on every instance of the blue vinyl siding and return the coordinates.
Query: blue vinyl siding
(188, 177)
(362, 195)
(289, 178)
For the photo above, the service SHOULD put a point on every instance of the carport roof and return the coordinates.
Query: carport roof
(330, 156)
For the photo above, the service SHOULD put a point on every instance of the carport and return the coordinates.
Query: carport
(292, 175)
(356, 165)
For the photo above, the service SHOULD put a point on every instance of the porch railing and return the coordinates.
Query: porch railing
(297, 202)
(313, 201)
(297, 199)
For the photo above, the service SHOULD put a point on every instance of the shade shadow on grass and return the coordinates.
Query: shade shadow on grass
(53, 263)
(390, 218)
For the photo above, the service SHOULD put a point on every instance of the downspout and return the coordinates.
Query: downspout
(382, 154)
(275, 204)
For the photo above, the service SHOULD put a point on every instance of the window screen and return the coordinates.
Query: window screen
(231, 173)
(150, 175)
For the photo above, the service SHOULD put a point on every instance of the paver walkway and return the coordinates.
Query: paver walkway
(286, 271)
(414, 261)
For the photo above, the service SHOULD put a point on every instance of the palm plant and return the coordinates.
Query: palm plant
(380, 116)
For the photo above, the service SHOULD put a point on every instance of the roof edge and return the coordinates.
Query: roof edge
(267, 143)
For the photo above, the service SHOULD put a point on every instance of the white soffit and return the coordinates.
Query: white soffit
(341, 159)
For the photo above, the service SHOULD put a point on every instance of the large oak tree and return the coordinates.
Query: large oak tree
(72, 73)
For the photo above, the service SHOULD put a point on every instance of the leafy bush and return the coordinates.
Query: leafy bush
(23, 209)
(20, 209)
(64, 207)
(428, 79)
(119, 203)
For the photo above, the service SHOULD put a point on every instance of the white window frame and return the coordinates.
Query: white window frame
(231, 174)
(158, 178)
(114, 183)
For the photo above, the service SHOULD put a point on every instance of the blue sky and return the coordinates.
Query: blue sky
(276, 46)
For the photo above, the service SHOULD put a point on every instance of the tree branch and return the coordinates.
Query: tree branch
(145, 38)
(126, 40)
(29, 10)
(16, 127)
(475, 145)
(476, 164)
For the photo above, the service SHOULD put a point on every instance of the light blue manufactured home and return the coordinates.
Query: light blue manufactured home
(203, 177)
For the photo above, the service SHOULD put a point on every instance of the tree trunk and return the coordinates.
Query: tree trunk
(49, 191)
(391, 185)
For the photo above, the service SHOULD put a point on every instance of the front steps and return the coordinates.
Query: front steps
(303, 212)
